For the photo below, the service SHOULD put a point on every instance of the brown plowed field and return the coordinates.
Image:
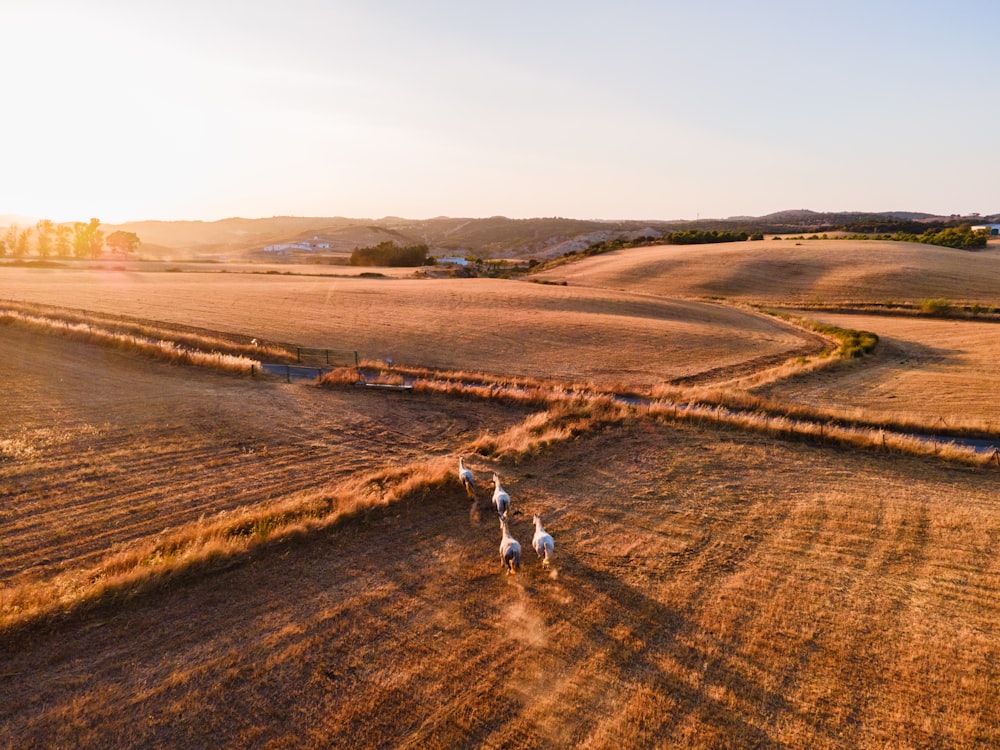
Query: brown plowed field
(710, 590)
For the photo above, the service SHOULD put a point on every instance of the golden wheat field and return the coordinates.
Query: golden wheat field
(197, 558)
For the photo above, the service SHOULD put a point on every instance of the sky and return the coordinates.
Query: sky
(203, 110)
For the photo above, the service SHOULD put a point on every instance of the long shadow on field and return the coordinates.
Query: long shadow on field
(767, 277)
(676, 658)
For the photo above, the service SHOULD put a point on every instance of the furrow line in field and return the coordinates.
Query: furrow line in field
(125, 517)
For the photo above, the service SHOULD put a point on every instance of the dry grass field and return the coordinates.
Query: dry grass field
(933, 371)
(795, 271)
(483, 325)
(100, 448)
(712, 587)
(709, 590)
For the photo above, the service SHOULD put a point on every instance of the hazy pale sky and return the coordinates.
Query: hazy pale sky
(129, 110)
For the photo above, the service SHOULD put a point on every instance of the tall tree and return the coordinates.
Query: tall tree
(123, 243)
(10, 239)
(64, 240)
(21, 245)
(43, 240)
(96, 238)
(88, 239)
(81, 239)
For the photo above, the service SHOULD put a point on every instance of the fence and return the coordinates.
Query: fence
(292, 372)
(312, 363)
(325, 357)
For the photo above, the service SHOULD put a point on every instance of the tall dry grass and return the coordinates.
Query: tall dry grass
(218, 542)
(788, 428)
(726, 406)
(162, 349)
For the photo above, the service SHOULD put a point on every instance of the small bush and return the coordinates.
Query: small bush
(936, 307)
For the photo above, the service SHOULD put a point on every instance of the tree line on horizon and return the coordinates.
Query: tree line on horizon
(69, 240)
(963, 237)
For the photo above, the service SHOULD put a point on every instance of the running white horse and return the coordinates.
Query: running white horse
(510, 550)
(543, 543)
(501, 500)
(465, 477)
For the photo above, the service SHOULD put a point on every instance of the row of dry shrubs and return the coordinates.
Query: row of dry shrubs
(181, 335)
(145, 343)
(209, 544)
(572, 412)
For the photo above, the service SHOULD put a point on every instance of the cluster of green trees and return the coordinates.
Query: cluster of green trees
(682, 237)
(962, 237)
(606, 246)
(79, 239)
(698, 237)
(388, 253)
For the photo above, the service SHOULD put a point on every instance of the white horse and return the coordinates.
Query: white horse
(543, 543)
(501, 500)
(465, 477)
(510, 550)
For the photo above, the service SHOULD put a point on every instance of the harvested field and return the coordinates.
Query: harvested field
(506, 328)
(791, 271)
(99, 448)
(932, 371)
(711, 590)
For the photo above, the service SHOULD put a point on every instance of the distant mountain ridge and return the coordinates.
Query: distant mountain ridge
(491, 237)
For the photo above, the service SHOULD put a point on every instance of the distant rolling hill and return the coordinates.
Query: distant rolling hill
(780, 271)
(487, 238)
(493, 237)
(7, 220)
